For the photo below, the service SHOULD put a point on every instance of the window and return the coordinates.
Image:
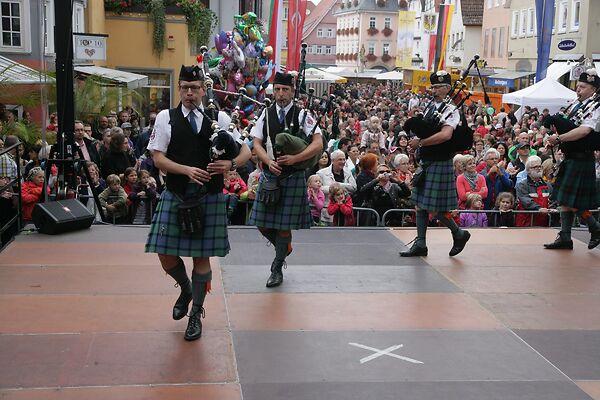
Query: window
(309, 50)
(320, 32)
(371, 48)
(562, 17)
(387, 23)
(490, 3)
(372, 21)
(330, 33)
(157, 93)
(575, 10)
(514, 31)
(327, 49)
(386, 49)
(501, 42)
(314, 49)
(15, 26)
(522, 23)
(319, 49)
(486, 40)
(530, 21)
(78, 17)
(493, 44)
(48, 27)
(254, 6)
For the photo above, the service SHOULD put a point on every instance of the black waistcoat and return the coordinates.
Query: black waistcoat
(275, 127)
(189, 148)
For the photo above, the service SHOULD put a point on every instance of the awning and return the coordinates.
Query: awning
(558, 69)
(352, 73)
(483, 71)
(567, 57)
(317, 75)
(511, 75)
(18, 74)
(122, 78)
(390, 76)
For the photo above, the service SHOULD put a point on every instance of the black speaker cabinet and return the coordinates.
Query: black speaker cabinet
(61, 216)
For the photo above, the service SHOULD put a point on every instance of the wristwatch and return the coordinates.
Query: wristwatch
(233, 165)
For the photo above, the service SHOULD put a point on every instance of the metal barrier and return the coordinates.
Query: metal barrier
(18, 217)
(367, 211)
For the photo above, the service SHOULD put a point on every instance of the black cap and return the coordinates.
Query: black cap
(283, 79)
(591, 77)
(521, 145)
(440, 77)
(190, 74)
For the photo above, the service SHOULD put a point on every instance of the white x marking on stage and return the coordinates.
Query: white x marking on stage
(385, 352)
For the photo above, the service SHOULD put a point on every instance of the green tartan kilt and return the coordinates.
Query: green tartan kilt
(438, 193)
(165, 236)
(291, 212)
(576, 185)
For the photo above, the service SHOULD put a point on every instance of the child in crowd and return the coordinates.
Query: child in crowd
(32, 191)
(114, 200)
(253, 179)
(505, 203)
(130, 180)
(234, 186)
(474, 202)
(340, 206)
(143, 205)
(316, 198)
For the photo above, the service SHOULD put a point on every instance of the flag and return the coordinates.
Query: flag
(276, 33)
(444, 24)
(296, 17)
(544, 14)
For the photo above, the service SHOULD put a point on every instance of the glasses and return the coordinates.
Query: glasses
(535, 167)
(193, 88)
(385, 171)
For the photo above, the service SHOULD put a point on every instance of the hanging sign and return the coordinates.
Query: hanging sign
(89, 46)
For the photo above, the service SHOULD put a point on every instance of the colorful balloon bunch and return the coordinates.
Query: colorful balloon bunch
(241, 59)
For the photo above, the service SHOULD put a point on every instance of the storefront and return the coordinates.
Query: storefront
(508, 81)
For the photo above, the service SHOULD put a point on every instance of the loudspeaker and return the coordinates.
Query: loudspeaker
(61, 216)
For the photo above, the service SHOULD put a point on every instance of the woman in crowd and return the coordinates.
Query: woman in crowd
(469, 182)
(119, 157)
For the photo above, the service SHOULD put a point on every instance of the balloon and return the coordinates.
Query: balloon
(214, 62)
(238, 55)
(248, 109)
(231, 86)
(237, 38)
(221, 40)
(268, 52)
(251, 90)
(250, 51)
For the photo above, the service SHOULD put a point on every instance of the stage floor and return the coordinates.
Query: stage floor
(87, 315)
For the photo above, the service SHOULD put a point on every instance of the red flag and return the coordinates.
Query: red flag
(296, 17)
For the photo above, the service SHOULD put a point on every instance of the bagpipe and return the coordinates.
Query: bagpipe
(564, 124)
(425, 125)
(223, 145)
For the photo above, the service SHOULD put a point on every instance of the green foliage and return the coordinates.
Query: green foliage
(119, 6)
(156, 12)
(201, 21)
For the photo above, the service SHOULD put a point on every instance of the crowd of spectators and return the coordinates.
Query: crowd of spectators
(366, 163)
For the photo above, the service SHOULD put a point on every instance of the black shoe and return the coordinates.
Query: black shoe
(276, 277)
(194, 327)
(560, 244)
(459, 243)
(180, 308)
(594, 240)
(415, 251)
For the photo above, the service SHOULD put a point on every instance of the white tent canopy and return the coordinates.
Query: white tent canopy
(317, 75)
(557, 69)
(547, 93)
(122, 78)
(390, 76)
(12, 72)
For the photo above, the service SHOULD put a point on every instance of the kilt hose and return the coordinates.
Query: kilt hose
(292, 210)
(438, 192)
(576, 185)
(165, 235)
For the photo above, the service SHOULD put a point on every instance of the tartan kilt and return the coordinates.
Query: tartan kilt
(165, 236)
(291, 212)
(438, 193)
(576, 185)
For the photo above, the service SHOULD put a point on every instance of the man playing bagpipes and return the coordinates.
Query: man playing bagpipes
(286, 139)
(575, 186)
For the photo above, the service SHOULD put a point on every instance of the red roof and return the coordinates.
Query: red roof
(317, 15)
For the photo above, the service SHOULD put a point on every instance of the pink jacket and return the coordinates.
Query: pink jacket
(463, 187)
(316, 203)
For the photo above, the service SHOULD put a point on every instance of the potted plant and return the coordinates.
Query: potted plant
(372, 31)
(371, 57)
(118, 6)
(387, 31)
(356, 30)
(201, 21)
(385, 58)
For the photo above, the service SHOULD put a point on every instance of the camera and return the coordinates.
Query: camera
(387, 174)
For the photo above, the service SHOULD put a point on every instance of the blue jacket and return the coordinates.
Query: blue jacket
(502, 183)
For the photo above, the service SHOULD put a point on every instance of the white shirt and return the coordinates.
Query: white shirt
(309, 123)
(161, 135)
(452, 118)
(592, 119)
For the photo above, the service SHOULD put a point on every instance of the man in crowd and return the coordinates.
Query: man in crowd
(88, 149)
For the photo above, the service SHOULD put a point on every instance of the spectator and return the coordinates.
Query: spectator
(533, 194)
(119, 157)
(34, 160)
(32, 191)
(504, 217)
(340, 206)
(469, 182)
(144, 137)
(143, 205)
(497, 179)
(385, 194)
(336, 172)
(88, 149)
(233, 187)
(316, 198)
(374, 134)
(114, 200)
(467, 219)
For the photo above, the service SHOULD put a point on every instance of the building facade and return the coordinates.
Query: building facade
(320, 32)
(495, 33)
(366, 34)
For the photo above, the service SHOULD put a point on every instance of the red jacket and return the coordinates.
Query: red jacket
(344, 208)
(31, 194)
